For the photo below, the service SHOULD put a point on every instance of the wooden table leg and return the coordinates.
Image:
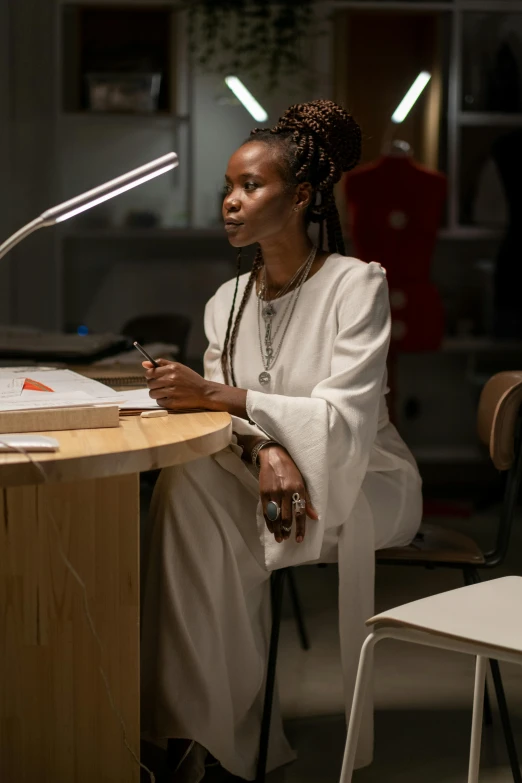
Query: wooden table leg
(56, 723)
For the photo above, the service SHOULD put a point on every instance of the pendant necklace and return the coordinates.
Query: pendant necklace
(267, 312)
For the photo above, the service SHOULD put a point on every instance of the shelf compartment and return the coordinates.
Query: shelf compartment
(116, 39)
(489, 120)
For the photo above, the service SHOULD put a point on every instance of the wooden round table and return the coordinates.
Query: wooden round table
(56, 721)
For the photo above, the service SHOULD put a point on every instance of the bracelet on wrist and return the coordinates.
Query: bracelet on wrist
(257, 449)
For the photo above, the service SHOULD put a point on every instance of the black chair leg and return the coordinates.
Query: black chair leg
(277, 585)
(506, 722)
(503, 708)
(298, 610)
(488, 714)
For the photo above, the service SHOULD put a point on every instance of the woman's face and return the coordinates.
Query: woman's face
(258, 204)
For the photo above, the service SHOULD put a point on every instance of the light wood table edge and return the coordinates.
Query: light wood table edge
(16, 470)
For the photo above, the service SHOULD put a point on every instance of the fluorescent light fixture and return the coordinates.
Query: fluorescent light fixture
(247, 99)
(411, 97)
(94, 197)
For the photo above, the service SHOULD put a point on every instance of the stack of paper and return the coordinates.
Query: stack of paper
(30, 388)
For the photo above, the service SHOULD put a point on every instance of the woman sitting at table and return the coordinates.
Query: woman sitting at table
(315, 473)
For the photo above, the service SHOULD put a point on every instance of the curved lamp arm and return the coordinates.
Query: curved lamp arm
(93, 197)
(24, 232)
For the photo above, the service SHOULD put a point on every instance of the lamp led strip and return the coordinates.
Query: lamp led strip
(92, 198)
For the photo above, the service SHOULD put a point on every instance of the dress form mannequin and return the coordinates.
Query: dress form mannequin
(395, 207)
(507, 153)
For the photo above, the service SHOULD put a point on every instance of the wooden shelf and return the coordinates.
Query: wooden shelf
(163, 119)
(489, 120)
(129, 233)
(471, 233)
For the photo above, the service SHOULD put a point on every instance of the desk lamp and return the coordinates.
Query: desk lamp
(92, 198)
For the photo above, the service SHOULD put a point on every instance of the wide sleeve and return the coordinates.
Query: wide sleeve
(330, 434)
(212, 366)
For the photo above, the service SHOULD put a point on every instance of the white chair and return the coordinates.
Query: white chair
(484, 620)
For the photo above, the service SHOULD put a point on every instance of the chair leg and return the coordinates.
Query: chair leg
(364, 674)
(478, 716)
(277, 584)
(488, 714)
(503, 708)
(506, 722)
(298, 611)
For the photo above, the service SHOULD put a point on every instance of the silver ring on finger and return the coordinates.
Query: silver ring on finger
(272, 511)
(298, 503)
(286, 528)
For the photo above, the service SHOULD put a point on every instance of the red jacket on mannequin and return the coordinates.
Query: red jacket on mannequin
(395, 207)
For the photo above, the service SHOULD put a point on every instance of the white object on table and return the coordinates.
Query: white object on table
(29, 442)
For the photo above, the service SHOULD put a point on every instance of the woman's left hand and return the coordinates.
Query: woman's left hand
(175, 386)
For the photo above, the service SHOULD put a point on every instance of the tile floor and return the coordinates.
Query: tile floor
(422, 697)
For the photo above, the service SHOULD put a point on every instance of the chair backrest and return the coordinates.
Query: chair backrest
(499, 423)
(498, 412)
(163, 328)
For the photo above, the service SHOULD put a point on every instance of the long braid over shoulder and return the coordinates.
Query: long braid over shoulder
(319, 141)
(227, 355)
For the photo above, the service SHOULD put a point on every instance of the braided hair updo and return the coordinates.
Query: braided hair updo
(317, 141)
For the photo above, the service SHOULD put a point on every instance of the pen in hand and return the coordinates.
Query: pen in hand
(145, 354)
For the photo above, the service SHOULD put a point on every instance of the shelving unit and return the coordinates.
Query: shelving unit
(479, 113)
(469, 125)
(121, 36)
(124, 37)
(449, 379)
(78, 18)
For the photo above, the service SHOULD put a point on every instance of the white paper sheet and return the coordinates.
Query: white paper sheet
(11, 388)
(68, 389)
(72, 396)
(64, 381)
(137, 400)
(30, 405)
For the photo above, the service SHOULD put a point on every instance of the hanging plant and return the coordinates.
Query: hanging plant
(260, 38)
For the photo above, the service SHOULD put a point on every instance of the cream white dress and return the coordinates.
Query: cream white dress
(205, 626)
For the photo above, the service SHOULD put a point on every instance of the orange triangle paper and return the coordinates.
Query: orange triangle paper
(30, 385)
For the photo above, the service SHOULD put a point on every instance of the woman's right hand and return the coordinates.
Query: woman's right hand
(279, 479)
